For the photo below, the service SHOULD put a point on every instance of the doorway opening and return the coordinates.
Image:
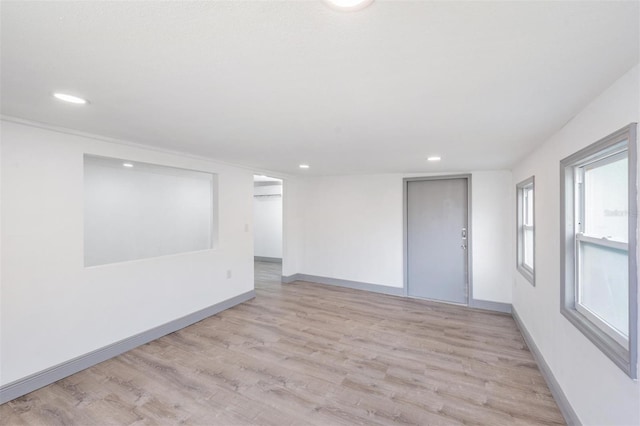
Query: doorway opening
(267, 228)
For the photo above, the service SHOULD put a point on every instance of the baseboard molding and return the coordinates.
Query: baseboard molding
(43, 378)
(394, 291)
(289, 279)
(356, 285)
(490, 306)
(267, 259)
(569, 414)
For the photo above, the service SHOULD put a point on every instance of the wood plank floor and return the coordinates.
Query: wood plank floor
(308, 354)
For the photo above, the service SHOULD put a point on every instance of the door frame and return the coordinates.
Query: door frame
(405, 230)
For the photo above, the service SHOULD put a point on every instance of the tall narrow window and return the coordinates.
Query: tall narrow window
(526, 228)
(599, 279)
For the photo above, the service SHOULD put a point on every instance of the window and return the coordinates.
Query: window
(599, 224)
(526, 234)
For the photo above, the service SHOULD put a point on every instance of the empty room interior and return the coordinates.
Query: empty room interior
(323, 212)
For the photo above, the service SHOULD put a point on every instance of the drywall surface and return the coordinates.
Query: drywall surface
(267, 221)
(493, 207)
(293, 232)
(599, 392)
(352, 229)
(53, 308)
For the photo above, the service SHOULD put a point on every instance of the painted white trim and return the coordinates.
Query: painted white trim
(604, 242)
(566, 409)
(43, 378)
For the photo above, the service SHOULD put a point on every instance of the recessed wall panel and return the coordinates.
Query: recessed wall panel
(137, 210)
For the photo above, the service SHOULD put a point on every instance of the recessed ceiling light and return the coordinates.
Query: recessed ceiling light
(304, 166)
(69, 98)
(127, 165)
(348, 5)
(434, 158)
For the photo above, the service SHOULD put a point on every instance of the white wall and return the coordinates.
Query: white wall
(351, 228)
(292, 233)
(599, 392)
(53, 308)
(267, 221)
(493, 208)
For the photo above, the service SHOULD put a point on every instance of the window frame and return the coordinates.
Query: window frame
(623, 354)
(527, 271)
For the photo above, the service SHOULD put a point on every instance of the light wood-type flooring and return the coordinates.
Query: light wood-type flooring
(311, 354)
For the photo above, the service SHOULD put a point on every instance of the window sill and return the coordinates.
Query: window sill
(612, 349)
(529, 275)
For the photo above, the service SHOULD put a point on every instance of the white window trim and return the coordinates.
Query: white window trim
(527, 271)
(623, 352)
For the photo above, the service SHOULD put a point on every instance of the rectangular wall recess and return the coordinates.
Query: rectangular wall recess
(136, 210)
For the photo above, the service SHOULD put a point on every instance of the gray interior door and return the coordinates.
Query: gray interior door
(437, 239)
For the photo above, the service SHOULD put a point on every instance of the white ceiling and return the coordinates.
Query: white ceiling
(274, 84)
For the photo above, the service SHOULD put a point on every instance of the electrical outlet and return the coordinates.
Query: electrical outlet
(228, 273)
